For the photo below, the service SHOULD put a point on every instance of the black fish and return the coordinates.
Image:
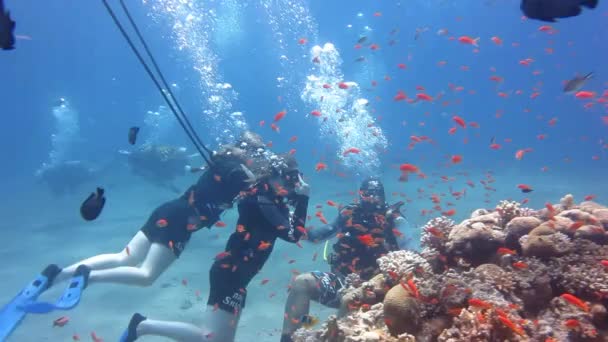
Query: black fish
(133, 135)
(526, 190)
(577, 83)
(7, 26)
(549, 10)
(92, 206)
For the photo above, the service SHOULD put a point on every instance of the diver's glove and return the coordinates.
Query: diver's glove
(395, 209)
(302, 188)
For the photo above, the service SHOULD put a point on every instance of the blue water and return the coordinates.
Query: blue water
(72, 50)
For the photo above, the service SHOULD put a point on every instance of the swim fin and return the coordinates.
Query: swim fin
(130, 334)
(12, 314)
(70, 297)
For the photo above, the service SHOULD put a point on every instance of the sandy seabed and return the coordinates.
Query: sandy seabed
(34, 236)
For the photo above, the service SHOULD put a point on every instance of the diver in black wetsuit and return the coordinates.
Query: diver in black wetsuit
(264, 216)
(161, 240)
(365, 233)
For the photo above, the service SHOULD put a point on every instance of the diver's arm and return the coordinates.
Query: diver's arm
(391, 238)
(324, 232)
(398, 223)
(295, 226)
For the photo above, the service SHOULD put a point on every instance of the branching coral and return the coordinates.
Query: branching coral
(508, 210)
(399, 264)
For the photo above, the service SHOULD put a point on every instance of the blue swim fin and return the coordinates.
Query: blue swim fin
(70, 297)
(130, 334)
(12, 314)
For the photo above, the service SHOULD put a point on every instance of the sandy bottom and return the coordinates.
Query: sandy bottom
(39, 229)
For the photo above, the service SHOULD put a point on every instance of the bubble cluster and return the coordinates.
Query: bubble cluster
(345, 117)
(193, 27)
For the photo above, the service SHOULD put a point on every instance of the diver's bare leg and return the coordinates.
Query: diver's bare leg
(302, 291)
(158, 259)
(220, 326)
(137, 248)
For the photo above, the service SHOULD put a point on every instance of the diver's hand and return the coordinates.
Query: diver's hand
(302, 188)
(395, 208)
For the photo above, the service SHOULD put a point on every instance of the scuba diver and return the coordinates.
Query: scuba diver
(366, 234)
(164, 236)
(264, 216)
(65, 177)
(159, 164)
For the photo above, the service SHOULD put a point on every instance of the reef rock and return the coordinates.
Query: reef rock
(467, 327)
(578, 215)
(594, 233)
(518, 227)
(497, 276)
(359, 326)
(545, 246)
(476, 241)
(401, 311)
(590, 206)
(602, 216)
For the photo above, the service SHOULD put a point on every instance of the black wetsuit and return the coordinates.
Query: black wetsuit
(350, 254)
(173, 222)
(262, 219)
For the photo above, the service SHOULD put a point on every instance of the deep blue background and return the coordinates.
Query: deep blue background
(76, 52)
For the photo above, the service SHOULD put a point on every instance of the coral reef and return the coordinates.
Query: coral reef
(508, 274)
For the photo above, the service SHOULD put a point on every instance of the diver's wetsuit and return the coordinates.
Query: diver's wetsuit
(350, 254)
(173, 222)
(262, 219)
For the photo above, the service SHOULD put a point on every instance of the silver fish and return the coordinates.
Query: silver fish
(577, 83)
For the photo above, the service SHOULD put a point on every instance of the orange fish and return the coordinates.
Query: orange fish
(264, 245)
(520, 265)
(320, 166)
(575, 301)
(450, 212)
(469, 40)
(589, 197)
(408, 168)
(505, 251)
(280, 115)
(424, 97)
(509, 324)
(460, 121)
(456, 159)
(315, 113)
(572, 323)
(413, 288)
(366, 239)
(351, 150)
(95, 337)
(476, 302)
(583, 94)
(220, 224)
(496, 40)
(61, 321)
